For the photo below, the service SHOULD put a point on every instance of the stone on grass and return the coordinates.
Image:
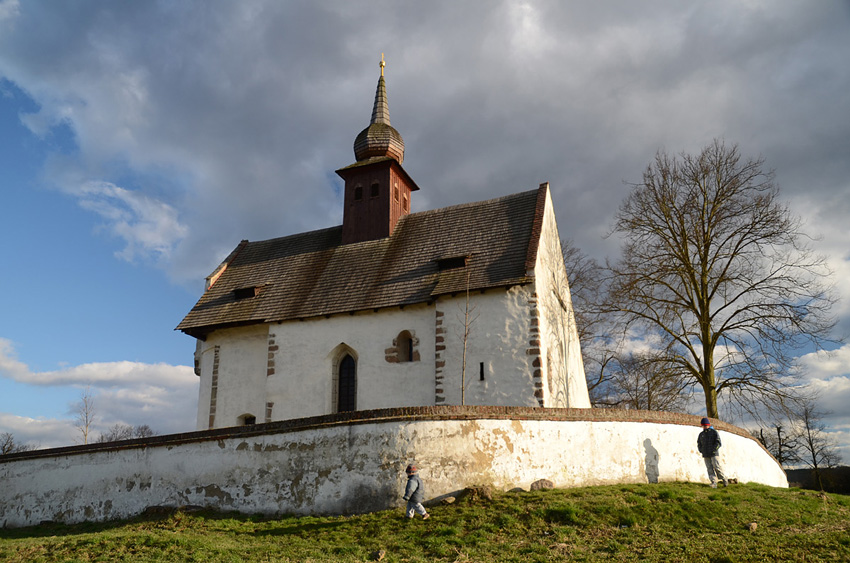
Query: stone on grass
(476, 493)
(542, 484)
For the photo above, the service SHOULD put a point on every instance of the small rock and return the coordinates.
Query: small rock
(475, 493)
(753, 526)
(517, 490)
(542, 484)
(448, 500)
(379, 555)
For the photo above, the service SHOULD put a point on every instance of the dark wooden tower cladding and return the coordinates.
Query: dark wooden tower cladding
(377, 189)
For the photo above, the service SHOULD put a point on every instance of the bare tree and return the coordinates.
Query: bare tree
(469, 317)
(718, 268)
(615, 376)
(587, 290)
(646, 382)
(781, 441)
(85, 414)
(121, 431)
(8, 444)
(817, 450)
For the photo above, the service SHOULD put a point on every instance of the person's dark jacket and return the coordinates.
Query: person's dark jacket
(415, 491)
(708, 442)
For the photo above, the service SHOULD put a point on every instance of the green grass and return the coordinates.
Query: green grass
(666, 522)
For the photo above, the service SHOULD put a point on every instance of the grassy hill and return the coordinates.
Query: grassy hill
(664, 522)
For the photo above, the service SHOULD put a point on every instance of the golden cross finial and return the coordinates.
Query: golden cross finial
(383, 64)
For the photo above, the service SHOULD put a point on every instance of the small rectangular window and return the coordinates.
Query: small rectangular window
(245, 292)
(481, 371)
(451, 262)
(358, 193)
(376, 190)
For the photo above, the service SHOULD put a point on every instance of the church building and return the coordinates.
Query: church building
(466, 304)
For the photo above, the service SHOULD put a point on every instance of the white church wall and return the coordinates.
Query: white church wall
(308, 351)
(560, 351)
(239, 376)
(498, 338)
(336, 465)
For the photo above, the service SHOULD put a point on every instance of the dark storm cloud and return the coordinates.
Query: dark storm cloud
(245, 109)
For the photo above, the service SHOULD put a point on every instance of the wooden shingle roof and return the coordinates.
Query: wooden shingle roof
(313, 274)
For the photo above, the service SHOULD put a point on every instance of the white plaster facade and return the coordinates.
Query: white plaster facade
(522, 349)
(328, 466)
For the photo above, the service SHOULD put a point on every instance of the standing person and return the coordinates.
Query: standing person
(414, 493)
(708, 443)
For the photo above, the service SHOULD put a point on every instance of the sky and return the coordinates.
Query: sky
(141, 141)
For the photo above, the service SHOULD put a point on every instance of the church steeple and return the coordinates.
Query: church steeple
(377, 189)
(379, 138)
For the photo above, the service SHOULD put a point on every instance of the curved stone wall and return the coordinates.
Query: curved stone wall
(354, 462)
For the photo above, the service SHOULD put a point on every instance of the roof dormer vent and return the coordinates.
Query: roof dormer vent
(246, 292)
(452, 262)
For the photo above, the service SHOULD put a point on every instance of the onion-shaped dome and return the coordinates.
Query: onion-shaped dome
(380, 138)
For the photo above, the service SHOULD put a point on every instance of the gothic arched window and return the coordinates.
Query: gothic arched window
(347, 385)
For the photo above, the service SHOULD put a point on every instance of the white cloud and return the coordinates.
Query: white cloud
(159, 395)
(39, 432)
(827, 365)
(150, 228)
(9, 364)
(9, 9)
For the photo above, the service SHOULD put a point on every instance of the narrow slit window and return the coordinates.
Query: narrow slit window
(481, 371)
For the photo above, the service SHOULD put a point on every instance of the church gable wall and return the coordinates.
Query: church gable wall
(561, 367)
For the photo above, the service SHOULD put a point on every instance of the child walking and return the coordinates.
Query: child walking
(414, 493)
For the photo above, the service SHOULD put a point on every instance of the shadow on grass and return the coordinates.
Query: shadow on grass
(57, 529)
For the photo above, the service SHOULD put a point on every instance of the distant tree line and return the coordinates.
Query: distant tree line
(9, 445)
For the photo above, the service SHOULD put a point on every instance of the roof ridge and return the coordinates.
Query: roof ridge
(536, 226)
(294, 235)
(417, 214)
(474, 203)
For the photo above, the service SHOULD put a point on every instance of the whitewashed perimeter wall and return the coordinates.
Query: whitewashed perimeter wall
(334, 465)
